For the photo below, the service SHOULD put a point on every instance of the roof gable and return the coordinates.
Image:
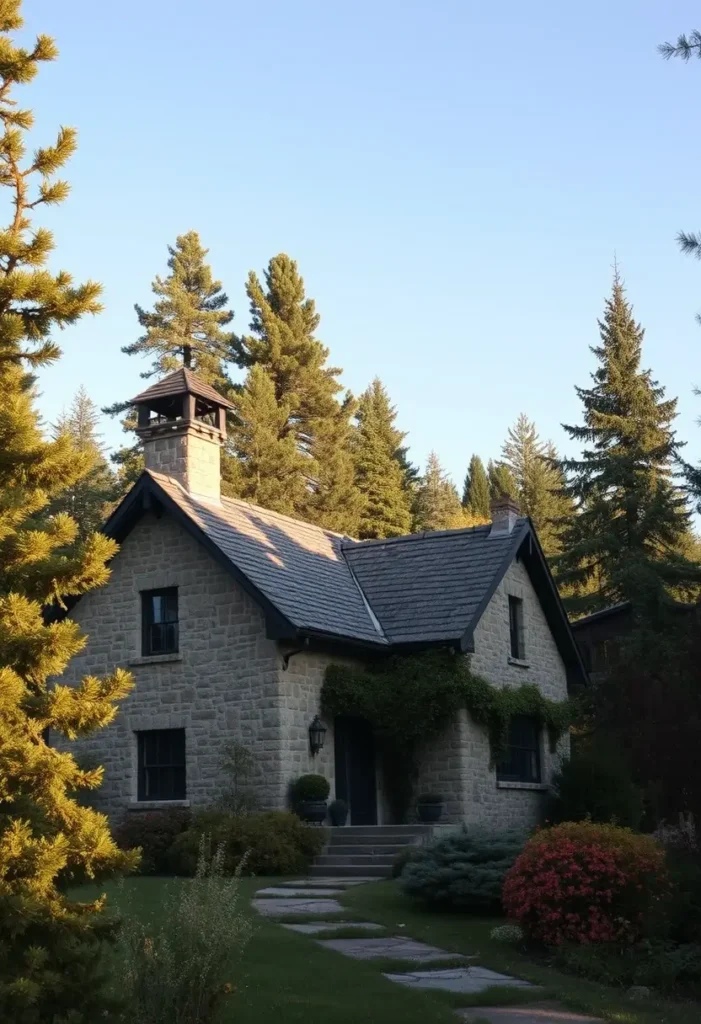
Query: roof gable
(404, 593)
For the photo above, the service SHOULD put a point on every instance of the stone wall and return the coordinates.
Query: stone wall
(222, 686)
(458, 764)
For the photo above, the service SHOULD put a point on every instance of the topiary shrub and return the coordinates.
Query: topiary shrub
(310, 787)
(582, 882)
(154, 833)
(595, 785)
(464, 871)
(277, 842)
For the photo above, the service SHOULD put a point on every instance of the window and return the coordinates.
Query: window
(161, 764)
(518, 648)
(159, 611)
(521, 763)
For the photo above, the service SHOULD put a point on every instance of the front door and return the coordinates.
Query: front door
(354, 746)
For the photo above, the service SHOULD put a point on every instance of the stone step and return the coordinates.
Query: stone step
(380, 860)
(364, 849)
(341, 837)
(378, 831)
(342, 867)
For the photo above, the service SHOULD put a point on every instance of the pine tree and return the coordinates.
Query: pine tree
(475, 495)
(631, 518)
(268, 468)
(87, 500)
(49, 945)
(501, 481)
(186, 327)
(379, 472)
(539, 482)
(437, 503)
(283, 342)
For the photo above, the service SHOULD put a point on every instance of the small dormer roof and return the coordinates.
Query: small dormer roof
(181, 382)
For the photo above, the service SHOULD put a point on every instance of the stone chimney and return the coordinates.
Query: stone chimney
(182, 425)
(505, 512)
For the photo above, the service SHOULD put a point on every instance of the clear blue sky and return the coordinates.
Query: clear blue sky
(453, 179)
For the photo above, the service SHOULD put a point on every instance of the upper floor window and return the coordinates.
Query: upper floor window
(521, 762)
(161, 754)
(518, 647)
(159, 618)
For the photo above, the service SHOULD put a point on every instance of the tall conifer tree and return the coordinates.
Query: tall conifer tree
(283, 342)
(539, 482)
(49, 942)
(379, 466)
(631, 518)
(475, 495)
(501, 480)
(87, 500)
(437, 503)
(186, 327)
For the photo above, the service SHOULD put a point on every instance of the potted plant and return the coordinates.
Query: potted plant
(310, 795)
(429, 807)
(338, 812)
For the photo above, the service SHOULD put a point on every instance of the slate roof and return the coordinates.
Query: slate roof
(429, 587)
(398, 594)
(180, 382)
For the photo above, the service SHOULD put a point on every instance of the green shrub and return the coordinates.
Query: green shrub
(311, 787)
(581, 882)
(154, 832)
(672, 969)
(595, 785)
(181, 966)
(464, 871)
(404, 857)
(276, 842)
(678, 916)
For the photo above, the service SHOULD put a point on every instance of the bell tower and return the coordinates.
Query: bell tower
(182, 425)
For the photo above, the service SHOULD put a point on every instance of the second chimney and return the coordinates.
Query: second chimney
(505, 513)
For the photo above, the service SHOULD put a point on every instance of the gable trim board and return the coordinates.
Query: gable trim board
(341, 602)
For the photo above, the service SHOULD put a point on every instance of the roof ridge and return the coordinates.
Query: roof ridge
(423, 535)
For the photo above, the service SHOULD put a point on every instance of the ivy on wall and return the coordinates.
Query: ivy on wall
(409, 700)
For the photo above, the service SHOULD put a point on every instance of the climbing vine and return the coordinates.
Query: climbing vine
(409, 700)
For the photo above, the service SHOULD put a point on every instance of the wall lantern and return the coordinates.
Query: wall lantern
(317, 732)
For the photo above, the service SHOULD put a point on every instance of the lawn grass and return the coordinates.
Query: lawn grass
(459, 933)
(287, 978)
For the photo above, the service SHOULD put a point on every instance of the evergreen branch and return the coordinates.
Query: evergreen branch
(685, 47)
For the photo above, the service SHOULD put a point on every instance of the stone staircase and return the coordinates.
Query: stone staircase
(365, 850)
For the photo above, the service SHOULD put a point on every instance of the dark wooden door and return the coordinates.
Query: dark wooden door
(355, 768)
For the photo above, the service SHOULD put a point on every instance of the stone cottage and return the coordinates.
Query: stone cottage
(228, 615)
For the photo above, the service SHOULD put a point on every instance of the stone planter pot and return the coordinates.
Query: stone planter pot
(312, 810)
(429, 813)
(338, 813)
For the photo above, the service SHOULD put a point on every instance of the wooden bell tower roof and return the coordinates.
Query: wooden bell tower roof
(180, 382)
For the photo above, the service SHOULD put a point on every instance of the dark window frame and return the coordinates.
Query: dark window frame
(522, 759)
(160, 635)
(161, 758)
(517, 644)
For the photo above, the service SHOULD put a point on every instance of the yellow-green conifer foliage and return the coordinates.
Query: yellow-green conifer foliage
(49, 945)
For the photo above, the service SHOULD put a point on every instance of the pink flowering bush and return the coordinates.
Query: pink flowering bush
(581, 882)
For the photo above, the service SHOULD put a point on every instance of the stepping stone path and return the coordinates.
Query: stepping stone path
(393, 948)
(314, 896)
(287, 907)
(319, 927)
(458, 979)
(533, 1013)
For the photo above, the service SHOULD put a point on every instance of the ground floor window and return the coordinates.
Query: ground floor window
(161, 755)
(521, 762)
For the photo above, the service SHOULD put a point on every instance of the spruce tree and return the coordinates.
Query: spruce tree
(539, 482)
(475, 495)
(86, 500)
(437, 503)
(186, 327)
(268, 468)
(50, 944)
(283, 342)
(380, 475)
(501, 481)
(631, 517)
